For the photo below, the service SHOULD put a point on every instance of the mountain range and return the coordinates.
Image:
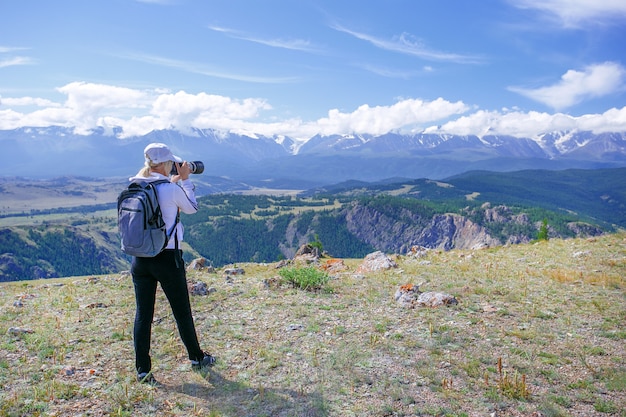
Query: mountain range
(284, 162)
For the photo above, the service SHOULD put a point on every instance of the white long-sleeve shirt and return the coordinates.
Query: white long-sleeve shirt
(172, 197)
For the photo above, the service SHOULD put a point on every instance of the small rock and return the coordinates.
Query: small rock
(417, 251)
(282, 263)
(308, 249)
(376, 261)
(26, 296)
(234, 271)
(200, 264)
(488, 308)
(409, 296)
(334, 265)
(435, 299)
(200, 288)
(16, 331)
(68, 371)
(96, 305)
(197, 263)
(273, 282)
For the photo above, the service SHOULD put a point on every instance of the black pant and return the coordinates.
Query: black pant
(168, 269)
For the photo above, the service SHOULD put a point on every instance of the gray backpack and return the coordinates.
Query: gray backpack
(139, 220)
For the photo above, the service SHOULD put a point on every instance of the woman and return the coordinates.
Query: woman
(167, 268)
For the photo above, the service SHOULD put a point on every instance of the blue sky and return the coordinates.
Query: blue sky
(298, 68)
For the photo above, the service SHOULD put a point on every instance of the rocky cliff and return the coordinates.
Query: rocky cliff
(441, 231)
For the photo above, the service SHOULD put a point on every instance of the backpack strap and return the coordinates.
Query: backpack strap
(177, 252)
(173, 230)
(169, 234)
(176, 221)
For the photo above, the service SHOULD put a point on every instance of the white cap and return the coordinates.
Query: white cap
(159, 152)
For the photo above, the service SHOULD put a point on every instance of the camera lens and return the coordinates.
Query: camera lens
(197, 167)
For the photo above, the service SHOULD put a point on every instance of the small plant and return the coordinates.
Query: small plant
(472, 368)
(308, 278)
(615, 379)
(317, 243)
(511, 386)
(550, 410)
(607, 407)
(446, 384)
(381, 327)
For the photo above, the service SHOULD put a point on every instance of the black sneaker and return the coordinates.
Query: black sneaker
(147, 378)
(206, 361)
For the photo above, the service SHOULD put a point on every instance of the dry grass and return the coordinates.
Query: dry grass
(539, 331)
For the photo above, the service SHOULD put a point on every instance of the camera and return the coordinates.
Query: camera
(196, 167)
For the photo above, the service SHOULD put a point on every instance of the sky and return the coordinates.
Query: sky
(307, 67)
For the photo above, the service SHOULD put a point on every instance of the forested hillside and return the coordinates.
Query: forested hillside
(230, 229)
(349, 220)
(56, 251)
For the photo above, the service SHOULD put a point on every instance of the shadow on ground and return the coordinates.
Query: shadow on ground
(230, 398)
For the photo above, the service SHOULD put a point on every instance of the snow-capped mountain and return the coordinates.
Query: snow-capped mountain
(549, 145)
(57, 151)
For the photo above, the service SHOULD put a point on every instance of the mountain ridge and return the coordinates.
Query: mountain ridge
(261, 160)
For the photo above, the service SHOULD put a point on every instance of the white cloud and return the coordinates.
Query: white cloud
(613, 120)
(137, 112)
(7, 49)
(532, 124)
(87, 101)
(409, 45)
(576, 13)
(383, 119)
(575, 86)
(27, 101)
(183, 110)
(294, 44)
(87, 97)
(401, 116)
(10, 119)
(11, 61)
(84, 105)
(393, 72)
(202, 69)
(16, 60)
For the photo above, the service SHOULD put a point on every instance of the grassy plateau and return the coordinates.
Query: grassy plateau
(539, 330)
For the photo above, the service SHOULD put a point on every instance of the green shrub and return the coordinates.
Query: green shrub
(308, 278)
(317, 243)
(543, 231)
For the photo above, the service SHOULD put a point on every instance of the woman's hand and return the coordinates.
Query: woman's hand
(183, 172)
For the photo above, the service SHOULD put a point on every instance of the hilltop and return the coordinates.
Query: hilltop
(538, 331)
